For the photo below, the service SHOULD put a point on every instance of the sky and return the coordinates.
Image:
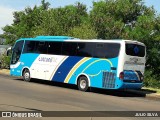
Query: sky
(7, 7)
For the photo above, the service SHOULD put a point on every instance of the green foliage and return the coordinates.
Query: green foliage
(151, 80)
(44, 21)
(108, 19)
(130, 19)
(111, 18)
(84, 31)
(5, 61)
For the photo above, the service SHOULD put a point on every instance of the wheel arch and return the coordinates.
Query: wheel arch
(85, 75)
(23, 69)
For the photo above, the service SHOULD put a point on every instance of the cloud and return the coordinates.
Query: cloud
(6, 16)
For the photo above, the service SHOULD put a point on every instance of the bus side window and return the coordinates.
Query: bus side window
(42, 47)
(30, 46)
(106, 50)
(85, 49)
(54, 48)
(99, 50)
(69, 48)
(112, 49)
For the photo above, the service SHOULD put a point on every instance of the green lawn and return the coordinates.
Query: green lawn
(154, 89)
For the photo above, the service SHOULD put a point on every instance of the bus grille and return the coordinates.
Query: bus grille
(109, 80)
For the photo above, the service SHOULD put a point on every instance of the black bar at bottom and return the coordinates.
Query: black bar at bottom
(101, 114)
(79, 113)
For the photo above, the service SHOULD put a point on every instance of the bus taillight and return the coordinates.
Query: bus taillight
(121, 75)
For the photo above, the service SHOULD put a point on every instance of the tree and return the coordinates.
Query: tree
(69, 17)
(84, 31)
(130, 19)
(111, 17)
(45, 5)
(25, 22)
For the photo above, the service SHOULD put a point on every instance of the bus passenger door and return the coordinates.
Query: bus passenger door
(41, 62)
(40, 71)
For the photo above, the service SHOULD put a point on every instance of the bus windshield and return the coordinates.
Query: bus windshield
(17, 52)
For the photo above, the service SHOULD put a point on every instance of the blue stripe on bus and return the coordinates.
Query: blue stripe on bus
(29, 58)
(65, 68)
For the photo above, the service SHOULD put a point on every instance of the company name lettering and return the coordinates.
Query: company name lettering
(45, 59)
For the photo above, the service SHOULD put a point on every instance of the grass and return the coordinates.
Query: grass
(153, 89)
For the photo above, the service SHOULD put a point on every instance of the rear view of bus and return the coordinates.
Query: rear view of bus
(132, 64)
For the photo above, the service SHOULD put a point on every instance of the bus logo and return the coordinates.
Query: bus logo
(136, 50)
(47, 59)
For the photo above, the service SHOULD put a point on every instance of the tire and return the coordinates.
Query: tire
(83, 83)
(26, 75)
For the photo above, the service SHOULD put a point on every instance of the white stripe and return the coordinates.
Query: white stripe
(15, 65)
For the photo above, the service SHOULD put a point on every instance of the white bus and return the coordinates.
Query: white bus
(106, 64)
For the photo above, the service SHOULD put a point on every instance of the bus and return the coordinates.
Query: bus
(106, 64)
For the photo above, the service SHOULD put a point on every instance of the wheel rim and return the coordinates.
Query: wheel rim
(26, 76)
(83, 84)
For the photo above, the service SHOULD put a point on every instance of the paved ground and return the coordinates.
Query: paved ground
(17, 95)
(149, 94)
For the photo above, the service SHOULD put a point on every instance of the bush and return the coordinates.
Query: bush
(151, 80)
(5, 62)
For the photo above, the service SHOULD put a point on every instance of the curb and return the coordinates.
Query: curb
(153, 96)
(4, 72)
(147, 94)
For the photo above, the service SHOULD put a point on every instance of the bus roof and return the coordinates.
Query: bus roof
(72, 39)
(49, 38)
(54, 37)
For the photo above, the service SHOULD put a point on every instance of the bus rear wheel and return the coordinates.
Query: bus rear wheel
(26, 75)
(83, 83)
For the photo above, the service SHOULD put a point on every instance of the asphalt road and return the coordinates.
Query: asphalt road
(17, 95)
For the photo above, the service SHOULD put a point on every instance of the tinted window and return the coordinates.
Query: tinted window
(85, 49)
(30, 46)
(42, 47)
(17, 52)
(69, 48)
(135, 50)
(106, 50)
(54, 48)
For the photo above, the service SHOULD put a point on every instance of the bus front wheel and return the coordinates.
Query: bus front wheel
(26, 75)
(83, 83)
